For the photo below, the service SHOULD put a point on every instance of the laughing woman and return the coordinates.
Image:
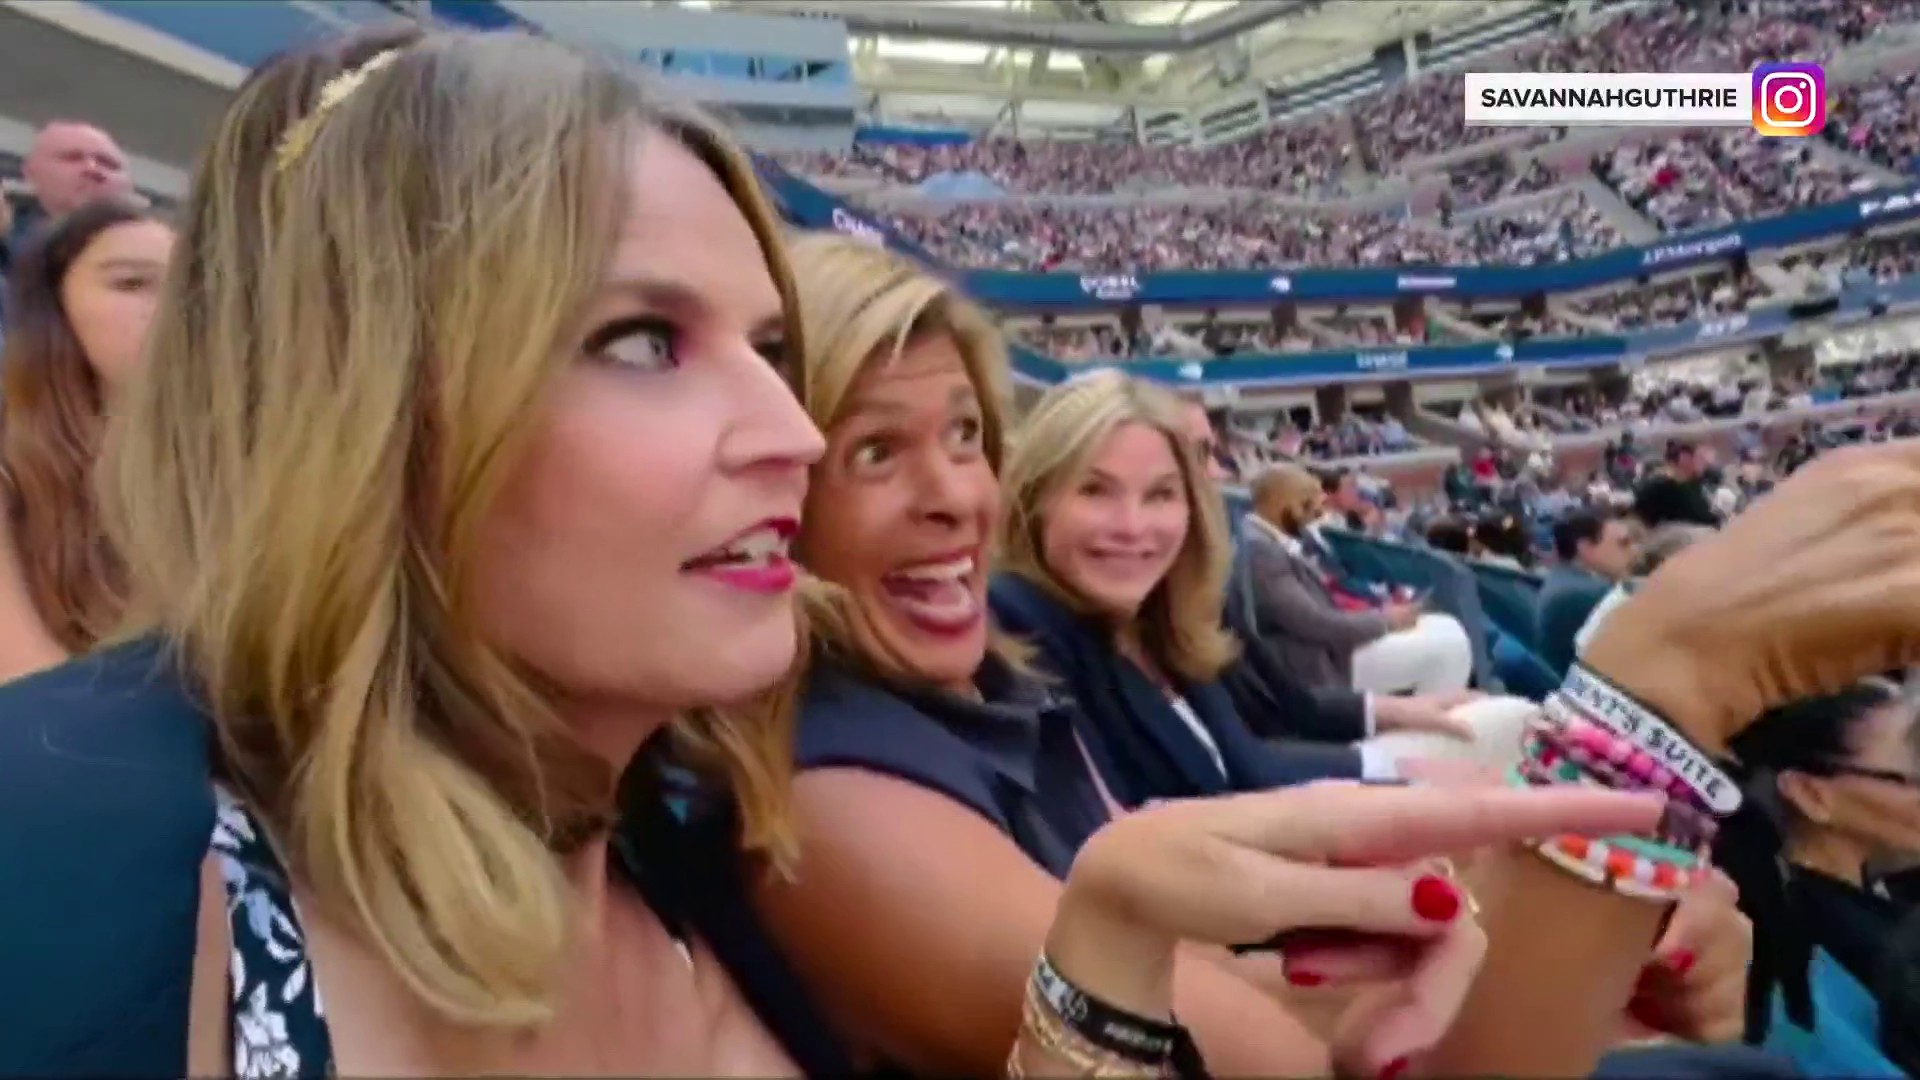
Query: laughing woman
(944, 792)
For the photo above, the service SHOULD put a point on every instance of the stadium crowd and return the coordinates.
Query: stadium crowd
(636, 637)
(1678, 182)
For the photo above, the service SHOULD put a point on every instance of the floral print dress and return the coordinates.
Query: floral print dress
(276, 1021)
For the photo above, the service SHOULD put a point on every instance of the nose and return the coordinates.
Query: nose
(770, 430)
(946, 490)
(1129, 519)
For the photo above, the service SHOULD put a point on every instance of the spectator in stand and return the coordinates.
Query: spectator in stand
(1677, 492)
(1396, 649)
(1596, 554)
(69, 164)
(83, 295)
(1878, 120)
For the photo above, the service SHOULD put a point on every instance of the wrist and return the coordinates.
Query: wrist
(1101, 942)
(1663, 677)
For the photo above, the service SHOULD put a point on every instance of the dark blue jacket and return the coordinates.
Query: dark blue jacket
(1144, 750)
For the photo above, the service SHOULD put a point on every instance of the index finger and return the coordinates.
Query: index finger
(1361, 824)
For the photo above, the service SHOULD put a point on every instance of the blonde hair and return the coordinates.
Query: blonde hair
(350, 356)
(1180, 622)
(864, 305)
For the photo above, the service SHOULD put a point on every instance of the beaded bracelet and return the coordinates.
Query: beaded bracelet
(1548, 760)
(1602, 863)
(1630, 866)
(1588, 741)
(1679, 763)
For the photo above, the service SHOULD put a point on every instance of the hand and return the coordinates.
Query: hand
(1423, 712)
(1815, 586)
(1696, 986)
(1330, 856)
(1402, 616)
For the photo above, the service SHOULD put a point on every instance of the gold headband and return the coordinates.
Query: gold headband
(300, 136)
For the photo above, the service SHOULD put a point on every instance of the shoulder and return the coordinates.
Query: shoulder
(106, 812)
(846, 721)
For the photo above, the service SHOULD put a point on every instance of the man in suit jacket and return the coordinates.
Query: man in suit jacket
(1397, 648)
(1292, 710)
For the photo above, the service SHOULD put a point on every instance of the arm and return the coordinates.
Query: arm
(892, 926)
(1283, 603)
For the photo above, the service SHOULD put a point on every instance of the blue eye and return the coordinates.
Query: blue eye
(641, 344)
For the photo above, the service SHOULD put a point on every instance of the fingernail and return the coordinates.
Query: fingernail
(1435, 899)
(1305, 978)
(1394, 1068)
(1681, 962)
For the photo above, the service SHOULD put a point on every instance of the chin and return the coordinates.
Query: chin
(734, 667)
(949, 662)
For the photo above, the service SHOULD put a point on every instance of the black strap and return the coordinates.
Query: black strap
(693, 875)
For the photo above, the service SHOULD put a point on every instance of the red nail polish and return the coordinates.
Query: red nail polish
(1681, 962)
(1305, 978)
(1435, 899)
(1394, 1068)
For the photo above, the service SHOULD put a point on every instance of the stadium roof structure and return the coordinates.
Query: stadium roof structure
(1076, 67)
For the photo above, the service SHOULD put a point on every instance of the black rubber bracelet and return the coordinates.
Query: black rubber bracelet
(1137, 1038)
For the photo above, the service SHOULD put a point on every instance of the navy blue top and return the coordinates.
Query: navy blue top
(108, 806)
(1143, 748)
(1010, 757)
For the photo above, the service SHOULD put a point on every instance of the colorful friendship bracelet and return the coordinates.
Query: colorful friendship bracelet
(1682, 823)
(1601, 863)
(1580, 734)
(1631, 866)
(1593, 698)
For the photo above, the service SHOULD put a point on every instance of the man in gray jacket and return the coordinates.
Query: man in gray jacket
(1395, 649)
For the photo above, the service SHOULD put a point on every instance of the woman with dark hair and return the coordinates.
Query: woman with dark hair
(82, 298)
(1830, 783)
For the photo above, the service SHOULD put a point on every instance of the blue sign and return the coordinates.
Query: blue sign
(1018, 290)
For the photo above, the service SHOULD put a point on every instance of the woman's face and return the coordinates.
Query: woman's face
(1111, 533)
(638, 553)
(903, 509)
(110, 292)
(1881, 810)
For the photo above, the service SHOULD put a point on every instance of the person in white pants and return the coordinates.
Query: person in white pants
(1432, 656)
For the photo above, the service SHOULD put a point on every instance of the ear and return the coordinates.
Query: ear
(1810, 796)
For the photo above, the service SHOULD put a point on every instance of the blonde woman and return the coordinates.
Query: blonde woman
(944, 793)
(1114, 560)
(460, 486)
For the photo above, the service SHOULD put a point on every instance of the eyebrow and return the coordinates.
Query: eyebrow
(674, 296)
(1172, 476)
(130, 262)
(959, 396)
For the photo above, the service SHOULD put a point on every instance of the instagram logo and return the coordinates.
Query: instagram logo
(1789, 99)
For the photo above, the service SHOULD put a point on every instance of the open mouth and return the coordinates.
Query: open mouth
(940, 597)
(757, 560)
